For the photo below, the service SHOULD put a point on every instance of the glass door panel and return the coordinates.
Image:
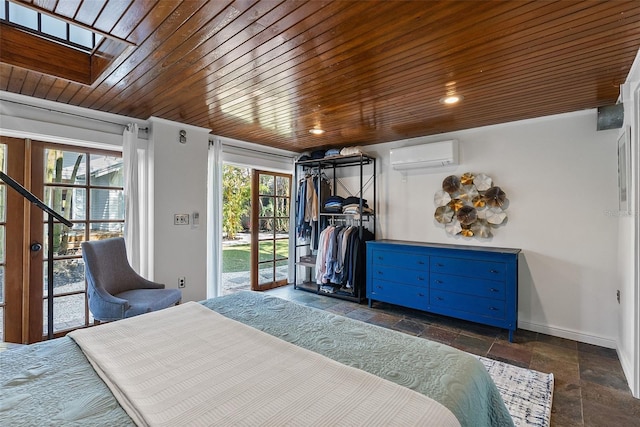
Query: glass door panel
(270, 239)
(87, 188)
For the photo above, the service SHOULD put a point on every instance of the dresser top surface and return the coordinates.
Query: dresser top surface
(447, 246)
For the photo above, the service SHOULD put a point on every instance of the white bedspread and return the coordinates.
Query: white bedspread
(188, 365)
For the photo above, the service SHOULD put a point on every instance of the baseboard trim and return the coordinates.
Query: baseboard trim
(568, 334)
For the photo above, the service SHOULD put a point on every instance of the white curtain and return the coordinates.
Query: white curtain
(214, 220)
(132, 202)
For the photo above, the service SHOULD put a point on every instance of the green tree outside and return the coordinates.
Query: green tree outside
(236, 198)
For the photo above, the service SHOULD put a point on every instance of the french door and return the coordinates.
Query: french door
(270, 204)
(84, 186)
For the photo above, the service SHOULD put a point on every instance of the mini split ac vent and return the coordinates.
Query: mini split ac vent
(431, 155)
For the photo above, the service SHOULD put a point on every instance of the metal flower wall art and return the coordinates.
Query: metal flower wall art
(470, 205)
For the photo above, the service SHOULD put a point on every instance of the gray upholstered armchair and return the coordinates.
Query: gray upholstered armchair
(115, 290)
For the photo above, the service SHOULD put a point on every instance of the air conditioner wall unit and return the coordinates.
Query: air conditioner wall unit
(434, 154)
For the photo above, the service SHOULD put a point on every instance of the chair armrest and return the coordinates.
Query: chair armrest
(105, 306)
(148, 284)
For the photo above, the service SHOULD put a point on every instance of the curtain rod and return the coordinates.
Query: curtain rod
(51, 110)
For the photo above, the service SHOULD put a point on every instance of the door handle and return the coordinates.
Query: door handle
(36, 247)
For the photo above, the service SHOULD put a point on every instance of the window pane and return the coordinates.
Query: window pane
(266, 184)
(282, 206)
(53, 26)
(2, 11)
(266, 229)
(1, 323)
(68, 312)
(105, 230)
(65, 167)
(98, 39)
(68, 202)
(3, 202)
(66, 241)
(282, 270)
(265, 250)
(265, 273)
(282, 249)
(266, 206)
(106, 171)
(107, 204)
(23, 16)
(1, 285)
(80, 36)
(282, 186)
(68, 276)
(2, 244)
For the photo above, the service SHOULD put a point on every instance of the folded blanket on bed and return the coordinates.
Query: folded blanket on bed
(188, 365)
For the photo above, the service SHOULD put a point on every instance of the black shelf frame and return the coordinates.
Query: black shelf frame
(333, 163)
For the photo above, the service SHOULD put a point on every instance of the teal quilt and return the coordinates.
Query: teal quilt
(52, 383)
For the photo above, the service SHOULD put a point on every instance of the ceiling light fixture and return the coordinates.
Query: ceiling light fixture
(451, 99)
(316, 131)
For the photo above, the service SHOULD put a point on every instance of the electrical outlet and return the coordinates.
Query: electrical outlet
(181, 282)
(180, 219)
(618, 296)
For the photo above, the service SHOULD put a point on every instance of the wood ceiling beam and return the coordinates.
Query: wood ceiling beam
(31, 52)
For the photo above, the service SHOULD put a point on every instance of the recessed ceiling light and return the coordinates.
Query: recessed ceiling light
(316, 131)
(451, 99)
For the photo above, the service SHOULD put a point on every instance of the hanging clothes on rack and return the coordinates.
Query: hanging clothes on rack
(313, 190)
(303, 227)
(341, 258)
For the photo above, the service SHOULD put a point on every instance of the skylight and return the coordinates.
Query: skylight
(48, 26)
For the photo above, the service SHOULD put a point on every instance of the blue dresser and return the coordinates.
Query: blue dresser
(479, 284)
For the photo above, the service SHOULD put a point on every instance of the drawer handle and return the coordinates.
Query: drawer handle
(380, 273)
(421, 278)
(379, 287)
(438, 281)
(420, 262)
(380, 258)
(494, 271)
(493, 309)
(439, 265)
(420, 295)
(494, 290)
(440, 298)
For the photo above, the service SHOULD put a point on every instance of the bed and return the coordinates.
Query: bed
(53, 383)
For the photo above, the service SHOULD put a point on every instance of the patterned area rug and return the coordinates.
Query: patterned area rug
(526, 393)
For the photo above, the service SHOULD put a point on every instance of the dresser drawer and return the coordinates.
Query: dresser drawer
(469, 268)
(485, 307)
(400, 259)
(399, 275)
(468, 285)
(404, 295)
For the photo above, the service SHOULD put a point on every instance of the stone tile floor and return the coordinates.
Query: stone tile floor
(590, 387)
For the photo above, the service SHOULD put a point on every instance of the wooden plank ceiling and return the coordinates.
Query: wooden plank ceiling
(267, 71)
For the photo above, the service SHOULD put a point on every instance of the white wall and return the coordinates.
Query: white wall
(179, 174)
(560, 176)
